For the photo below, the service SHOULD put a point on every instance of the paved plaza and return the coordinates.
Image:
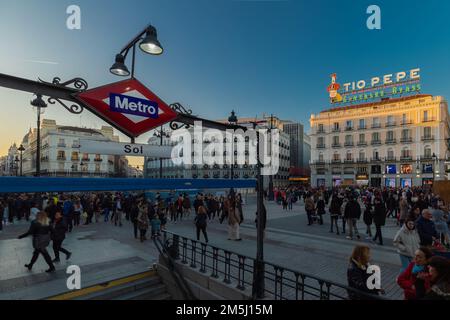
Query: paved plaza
(105, 252)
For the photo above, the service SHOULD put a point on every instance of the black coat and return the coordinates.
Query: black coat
(357, 279)
(379, 214)
(335, 206)
(59, 230)
(41, 234)
(352, 210)
(367, 217)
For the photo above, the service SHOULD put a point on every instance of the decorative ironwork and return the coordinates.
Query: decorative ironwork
(74, 108)
(179, 108)
(77, 83)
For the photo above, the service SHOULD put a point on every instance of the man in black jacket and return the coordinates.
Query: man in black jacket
(426, 228)
(58, 236)
(352, 213)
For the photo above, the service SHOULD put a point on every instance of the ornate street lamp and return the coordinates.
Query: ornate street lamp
(233, 120)
(40, 106)
(161, 133)
(21, 150)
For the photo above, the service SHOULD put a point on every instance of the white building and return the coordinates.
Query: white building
(395, 142)
(61, 156)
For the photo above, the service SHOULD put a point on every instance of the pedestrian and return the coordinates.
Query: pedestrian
(404, 210)
(173, 212)
(58, 236)
(239, 208)
(426, 228)
(33, 211)
(357, 275)
(321, 208)
(439, 270)
(200, 221)
(310, 208)
(407, 241)
(156, 226)
(379, 219)
(40, 229)
(414, 279)
(118, 213)
(440, 222)
(134, 213)
(233, 219)
(77, 211)
(143, 220)
(352, 213)
(368, 218)
(186, 205)
(335, 210)
(68, 213)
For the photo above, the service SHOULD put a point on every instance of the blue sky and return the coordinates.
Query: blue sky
(252, 56)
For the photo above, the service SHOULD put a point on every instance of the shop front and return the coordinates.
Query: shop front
(362, 180)
(390, 182)
(337, 181)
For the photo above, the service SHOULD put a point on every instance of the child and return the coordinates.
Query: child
(156, 226)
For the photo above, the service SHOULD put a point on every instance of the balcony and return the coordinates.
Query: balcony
(320, 146)
(336, 161)
(98, 159)
(428, 138)
(336, 145)
(319, 162)
(349, 161)
(348, 128)
(426, 158)
(406, 140)
(406, 122)
(376, 126)
(390, 141)
(75, 159)
(335, 130)
(362, 128)
(75, 145)
(391, 159)
(61, 158)
(406, 158)
(61, 145)
(362, 144)
(390, 124)
(375, 159)
(429, 119)
(375, 142)
(320, 132)
(85, 159)
(361, 160)
(349, 144)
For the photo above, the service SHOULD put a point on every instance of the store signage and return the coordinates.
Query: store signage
(397, 84)
(362, 177)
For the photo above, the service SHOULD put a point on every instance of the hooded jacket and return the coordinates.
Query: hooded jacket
(407, 241)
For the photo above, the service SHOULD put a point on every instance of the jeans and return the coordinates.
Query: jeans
(334, 222)
(405, 260)
(57, 247)
(309, 214)
(44, 254)
(69, 221)
(203, 229)
(378, 235)
(352, 226)
(118, 217)
(135, 228)
(76, 218)
(106, 212)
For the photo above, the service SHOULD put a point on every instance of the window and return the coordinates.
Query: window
(376, 136)
(404, 119)
(61, 142)
(61, 155)
(390, 154)
(75, 156)
(427, 152)
(348, 156)
(406, 169)
(376, 122)
(425, 115)
(348, 139)
(336, 126)
(362, 123)
(362, 138)
(391, 169)
(390, 120)
(321, 157)
(362, 155)
(97, 168)
(376, 169)
(390, 135)
(405, 134)
(349, 124)
(336, 157)
(321, 127)
(406, 153)
(427, 132)
(320, 141)
(376, 155)
(336, 140)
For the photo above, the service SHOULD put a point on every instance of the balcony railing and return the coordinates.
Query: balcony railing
(426, 158)
(320, 146)
(375, 159)
(429, 119)
(336, 130)
(349, 161)
(362, 143)
(362, 127)
(86, 160)
(376, 125)
(406, 158)
(336, 145)
(406, 122)
(75, 145)
(349, 144)
(406, 140)
(391, 159)
(61, 158)
(336, 161)
(61, 145)
(75, 159)
(390, 124)
(319, 162)
(320, 132)
(375, 142)
(98, 159)
(427, 138)
(348, 128)
(390, 141)
(362, 160)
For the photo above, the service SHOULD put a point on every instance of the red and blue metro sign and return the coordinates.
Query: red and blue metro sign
(129, 106)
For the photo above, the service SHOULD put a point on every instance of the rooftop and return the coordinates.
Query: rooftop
(77, 129)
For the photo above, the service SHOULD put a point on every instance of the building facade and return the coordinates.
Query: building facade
(61, 156)
(220, 171)
(394, 143)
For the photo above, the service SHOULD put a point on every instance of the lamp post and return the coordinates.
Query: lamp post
(148, 43)
(21, 150)
(434, 166)
(232, 119)
(271, 194)
(161, 133)
(40, 106)
(16, 165)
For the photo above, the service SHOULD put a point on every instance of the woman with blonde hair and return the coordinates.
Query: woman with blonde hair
(357, 275)
(41, 230)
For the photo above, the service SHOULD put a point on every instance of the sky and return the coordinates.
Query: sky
(252, 56)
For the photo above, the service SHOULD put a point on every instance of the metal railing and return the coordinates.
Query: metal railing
(234, 269)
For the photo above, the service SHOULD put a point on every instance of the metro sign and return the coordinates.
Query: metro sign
(128, 106)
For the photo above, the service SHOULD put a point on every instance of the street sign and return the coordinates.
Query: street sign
(128, 105)
(125, 149)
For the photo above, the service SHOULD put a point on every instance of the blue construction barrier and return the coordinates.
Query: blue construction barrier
(45, 184)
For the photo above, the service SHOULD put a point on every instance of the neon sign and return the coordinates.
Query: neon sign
(400, 83)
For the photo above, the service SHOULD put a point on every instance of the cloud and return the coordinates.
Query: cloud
(41, 61)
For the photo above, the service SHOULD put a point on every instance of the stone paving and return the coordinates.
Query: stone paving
(101, 250)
